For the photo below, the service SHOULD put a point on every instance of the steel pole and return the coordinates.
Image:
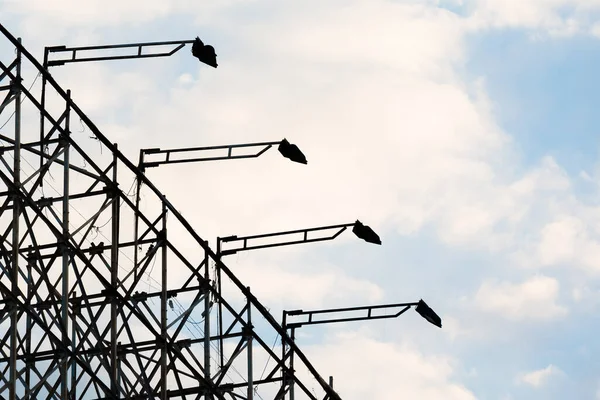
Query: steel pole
(114, 278)
(163, 309)
(29, 325)
(14, 339)
(207, 321)
(64, 368)
(249, 350)
(293, 337)
(43, 106)
(283, 348)
(136, 220)
(220, 305)
(74, 346)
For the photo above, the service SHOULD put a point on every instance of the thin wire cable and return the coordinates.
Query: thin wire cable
(97, 230)
(269, 359)
(22, 100)
(128, 194)
(214, 346)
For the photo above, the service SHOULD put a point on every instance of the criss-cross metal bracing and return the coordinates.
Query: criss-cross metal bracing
(101, 298)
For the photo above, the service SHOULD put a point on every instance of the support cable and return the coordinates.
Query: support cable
(29, 90)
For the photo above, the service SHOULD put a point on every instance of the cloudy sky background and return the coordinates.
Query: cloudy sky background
(463, 132)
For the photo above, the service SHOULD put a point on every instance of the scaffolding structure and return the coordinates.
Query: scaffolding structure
(101, 299)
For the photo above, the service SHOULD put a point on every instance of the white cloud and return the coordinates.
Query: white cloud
(534, 299)
(455, 329)
(401, 370)
(338, 33)
(389, 128)
(567, 239)
(578, 294)
(559, 240)
(584, 250)
(97, 12)
(540, 377)
(297, 288)
(329, 111)
(530, 14)
(586, 296)
(552, 17)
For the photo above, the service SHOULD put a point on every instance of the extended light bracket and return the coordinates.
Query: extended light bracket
(361, 313)
(131, 50)
(298, 236)
(193, 154)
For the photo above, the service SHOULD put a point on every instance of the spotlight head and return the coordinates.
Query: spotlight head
(291, 151)
(365, 233)
(204, 53)
(426, 312)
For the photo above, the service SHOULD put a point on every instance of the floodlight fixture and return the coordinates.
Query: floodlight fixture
(426, 312)
(205, 53)
(291, 151)
(365, 233)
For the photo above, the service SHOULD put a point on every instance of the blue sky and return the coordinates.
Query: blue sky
(466, 136)
(544, 91)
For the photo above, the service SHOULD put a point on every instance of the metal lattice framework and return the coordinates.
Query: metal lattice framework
(101, 298)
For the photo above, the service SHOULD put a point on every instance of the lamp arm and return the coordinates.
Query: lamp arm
(245, 246)
(167, 154)
(75, 55)
(309, 315)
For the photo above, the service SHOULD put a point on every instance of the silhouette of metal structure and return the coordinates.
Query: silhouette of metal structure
(235, 244)
(83, 312)
(302, 318)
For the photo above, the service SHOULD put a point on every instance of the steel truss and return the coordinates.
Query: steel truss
(83, 312)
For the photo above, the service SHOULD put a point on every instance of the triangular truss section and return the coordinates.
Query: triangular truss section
(100, 299)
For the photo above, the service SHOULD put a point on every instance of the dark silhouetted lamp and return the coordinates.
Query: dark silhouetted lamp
(291, 151)
(204, 53)
(426, 312)
(365, 233)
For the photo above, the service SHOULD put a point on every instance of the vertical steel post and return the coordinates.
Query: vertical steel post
(163, 308)
(284, 375)
(29, 324)
(220, 306)
(136, 220)
(207, 320)
(74, 346)
(14, 344)
(249, 350)
(119, 369)
(64, 367)
(114, 278)
(43, 107)
(293, 337)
